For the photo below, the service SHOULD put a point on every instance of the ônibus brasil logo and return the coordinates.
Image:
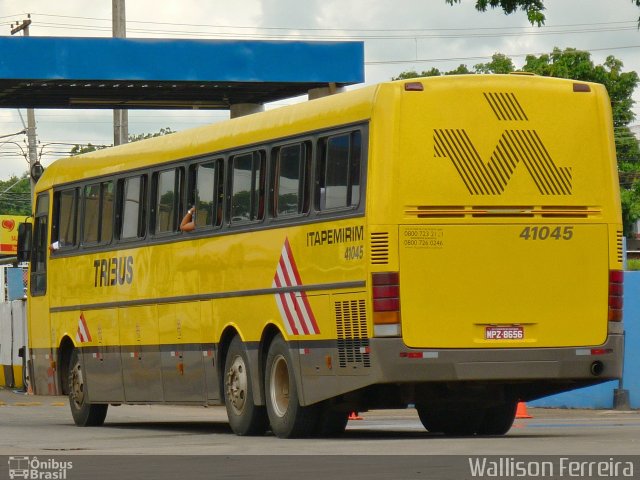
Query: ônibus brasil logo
(36, 469)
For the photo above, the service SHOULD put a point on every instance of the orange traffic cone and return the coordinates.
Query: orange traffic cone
(521, 411)
(354, 416)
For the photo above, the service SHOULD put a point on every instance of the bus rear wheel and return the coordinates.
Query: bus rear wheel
(331, 423)
(457, 419)
(498, 419)
(84, 414)
(287, 417)
(245, 417)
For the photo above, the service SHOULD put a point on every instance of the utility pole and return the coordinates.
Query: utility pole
(31, 116)
(120, 117)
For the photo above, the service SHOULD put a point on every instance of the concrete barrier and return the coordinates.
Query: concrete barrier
(13, 336)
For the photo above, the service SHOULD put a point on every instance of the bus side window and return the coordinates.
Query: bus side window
(97, 225)
(248, 187)
(219, 192)
(204, 194)
(40, 246)
(107, 200)
(290, 180)
(338, 172)
(132, 207)
(90, 213)
(65, 218)
(167, 200)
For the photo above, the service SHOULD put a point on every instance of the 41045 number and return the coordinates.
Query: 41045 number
(547, 233)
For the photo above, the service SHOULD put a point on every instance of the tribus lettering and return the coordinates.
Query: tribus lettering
(113, 271)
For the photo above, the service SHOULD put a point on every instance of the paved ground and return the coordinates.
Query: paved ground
(36, 425)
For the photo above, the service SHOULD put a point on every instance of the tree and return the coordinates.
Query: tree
(533, 8)
(159, 133)
(15, 196)
(80, 149)
(499, 64)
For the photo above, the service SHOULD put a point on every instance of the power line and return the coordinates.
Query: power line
(332, 36)
(253, 27)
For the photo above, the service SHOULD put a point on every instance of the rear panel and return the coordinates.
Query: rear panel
(508, 194)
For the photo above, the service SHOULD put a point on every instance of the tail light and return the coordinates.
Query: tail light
(616, 289)
(386, 304)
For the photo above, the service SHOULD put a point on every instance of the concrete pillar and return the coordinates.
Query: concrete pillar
(320, 92)
(242, 109)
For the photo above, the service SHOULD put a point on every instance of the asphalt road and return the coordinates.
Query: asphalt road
(378, 446)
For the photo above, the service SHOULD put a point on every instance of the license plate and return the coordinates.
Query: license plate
(504, 333)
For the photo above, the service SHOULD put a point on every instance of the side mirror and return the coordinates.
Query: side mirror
(24, 242)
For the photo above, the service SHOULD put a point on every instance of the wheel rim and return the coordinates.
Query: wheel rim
(237, 384)
(279, 391)
(77, 385)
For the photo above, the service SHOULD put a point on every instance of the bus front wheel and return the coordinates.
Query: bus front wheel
(245, 417)
(84, 413)
(287, 417)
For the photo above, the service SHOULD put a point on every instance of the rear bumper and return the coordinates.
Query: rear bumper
(395, 362)
(534, 371)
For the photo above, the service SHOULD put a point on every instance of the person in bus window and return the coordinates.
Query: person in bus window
(188, 222)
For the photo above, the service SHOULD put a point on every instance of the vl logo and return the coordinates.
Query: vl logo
(515, 147)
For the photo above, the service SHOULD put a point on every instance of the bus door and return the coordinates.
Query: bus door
(40, 340)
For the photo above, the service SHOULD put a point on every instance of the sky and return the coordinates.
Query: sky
(399, 35)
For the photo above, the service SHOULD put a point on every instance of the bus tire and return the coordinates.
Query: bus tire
(429, 419)
(245, 417)
(498, 419)
(84, 414)
(287, 417)
(454, 420)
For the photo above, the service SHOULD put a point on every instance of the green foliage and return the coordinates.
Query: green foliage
(144, 136)
(15, 196)
(630, 198)
(499, 64)
(533, 8)
(80, 149)
(633, 264)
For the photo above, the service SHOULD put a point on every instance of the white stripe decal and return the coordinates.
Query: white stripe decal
(294, 307)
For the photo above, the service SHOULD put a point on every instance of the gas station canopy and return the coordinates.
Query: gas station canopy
(75, 72)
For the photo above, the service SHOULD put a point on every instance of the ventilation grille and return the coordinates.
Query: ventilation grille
(380, 248)
(557, 211)
(353, 339)
(506, 106)
(620, 249)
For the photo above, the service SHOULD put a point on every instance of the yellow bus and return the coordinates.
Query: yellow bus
(451, 243)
